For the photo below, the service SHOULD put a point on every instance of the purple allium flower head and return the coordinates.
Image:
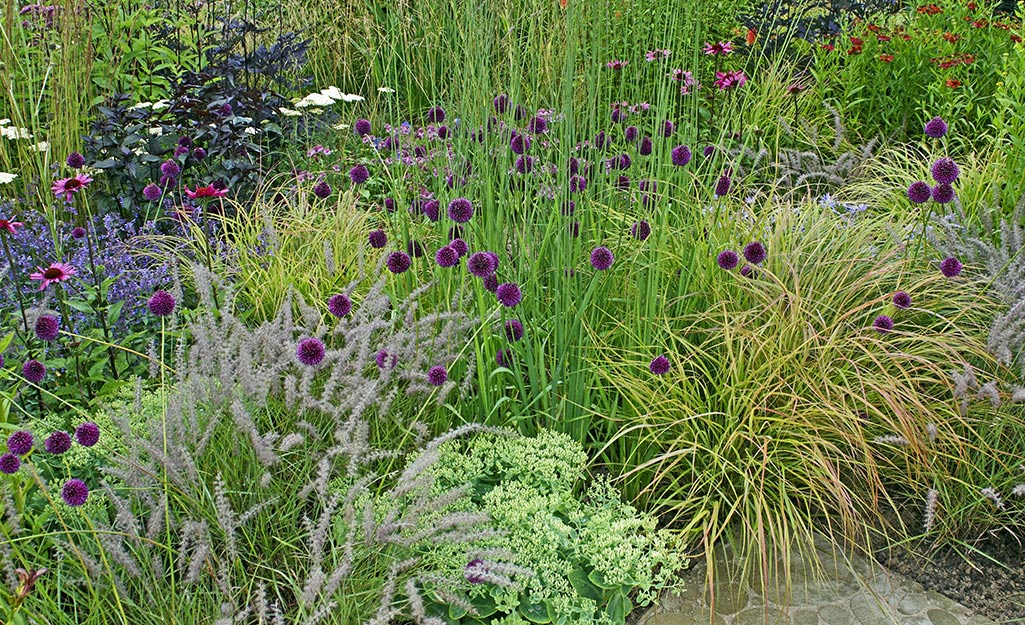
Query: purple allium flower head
(198, 153)
(178, 151)
(681, 155)
(47, 328)
(20, 442)
(525, 164)
(432, 208)
(362, 127)
(385, 360)
(901, 299)
(537, 125)
(57, 443)
(574, 166)
(599, 140)
(415, 248)
(78, 233)
(460, 246)
(75, 492)
(513, 330)
(170, 169)
(481, 264)
(723, 186)
(310, 351)
(574, 229)
(503, 358)
(754, 252)
(446, 256)
(945, 170)
(151, 192)
(883, 324)
(640, 230)
(943, 193)
(322, 189)
(475, 572)
(359, 174)
(460, 210)
(225, 110)
(519, 143)
(622, 183)
(491, 283)
(168, 181)
(184, 142)
(644, 149)
(648, 185)
(727, 259)
(378, 239)
(668, 128)
(659, 365)
(708, 151)
(618, 115)
(631, 133)
(437, 375)
(601, 258)
(443, 132)
(33, 371)
(399, 262)
(508, 294)
(748, 271)
(935, 127)
(625, 161)
(520, 113)
(9, 463)
(436, 115)
(75, 160)
(501, 103)
(919, 192)
(568, 208)
(951, 267)
(339, 305)
(87, 434)
(389, 204)
(577, 184)
(161, 304)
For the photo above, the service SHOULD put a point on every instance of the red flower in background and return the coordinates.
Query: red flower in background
(951, 37)
(930, 9)
(886, 58)
(953, 84)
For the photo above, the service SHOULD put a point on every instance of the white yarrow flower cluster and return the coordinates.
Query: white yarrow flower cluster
(327, 97)
(6, 178)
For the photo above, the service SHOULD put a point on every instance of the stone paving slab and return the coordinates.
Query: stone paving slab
(828, 588)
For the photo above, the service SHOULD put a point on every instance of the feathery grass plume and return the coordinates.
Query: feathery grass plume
(993, 495)
(929, 517)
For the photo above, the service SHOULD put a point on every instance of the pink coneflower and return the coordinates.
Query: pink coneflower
(56, 272)
(722, 47)
(68, 186)
(617, 64)
(10, 226)
(730, 79)
(207, 191)
(655, 55)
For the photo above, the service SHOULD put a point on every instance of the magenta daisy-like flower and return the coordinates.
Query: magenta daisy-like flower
(56, 272)
(310, 351)
(207, 191)
(730, 79)
(75, 492)
(11, 227)
(617, 64)
(69, 186)
(719, 48)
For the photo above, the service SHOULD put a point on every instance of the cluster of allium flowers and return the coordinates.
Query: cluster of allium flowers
(75, 492)
(57, 442)
(681, 155)
(754, 252)
(322, 189)
(33, 371)
(359, 174)
(20, 442)
(481, 264)
(943, 193)
(47, 327)
(67, 187)
(718, 48)
(339, 305)
(56, 272)
(730, 79)
(519, 143)
(435, 115)
(513, 330)
(601, 258)
(501, 103)
(377, 239)
(151, 192)
(446, 256)
(161, 304)
(399, 262)
(437, 375)
(508, 294)
(883, 324)
(945, 170)
(722, 187)
(87, 434)
(727, 259)
(902, 300)
(951, 267)
(362, 127)
(640, 230)
(460, 210)
(935, 127)
(310, 351)
(919, 192)
(659, 365)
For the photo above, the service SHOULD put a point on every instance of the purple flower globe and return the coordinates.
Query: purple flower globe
(754, 252)
(9, 463)
(945, 170)
(708, 151)
(170, 169)
(322, 189)
(481, 264)
(668, 128)
(503, 358)
(198, 153)
(577, 184)
(359, 174)
(161, 304)
(501, 103)
(943, 193)
(624, 161)
(57, 443)
(362, 127)
(631, 133)
(78, 233)
(339, 305)
(460, 246)
(87, 434)
(491, 283)
(508, 294)
(432, 208)
(574, 229)
(935, 127)
(525, 164)
(537, 125)
(723, 186)
(640, 230)
(437, 375)
(436, 115)
(727, 259)
(33, 371)
(600, 140)
(385, 360)
(644, 149)
(659, 365)
(681, 155)
(460, 210)
(919, 192)
(748, 271)
(399, 262)
(151, 192)
(389, 204)
(47, 328)
(447, 256)
(902, 300)
(310, 351)
(475, 572)
(951, 267)
(513, 330)
(75, 160)
(519, 144)
(377, 239)
(20, 442)
(75, 492)
(883, 324)
(601, 258)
